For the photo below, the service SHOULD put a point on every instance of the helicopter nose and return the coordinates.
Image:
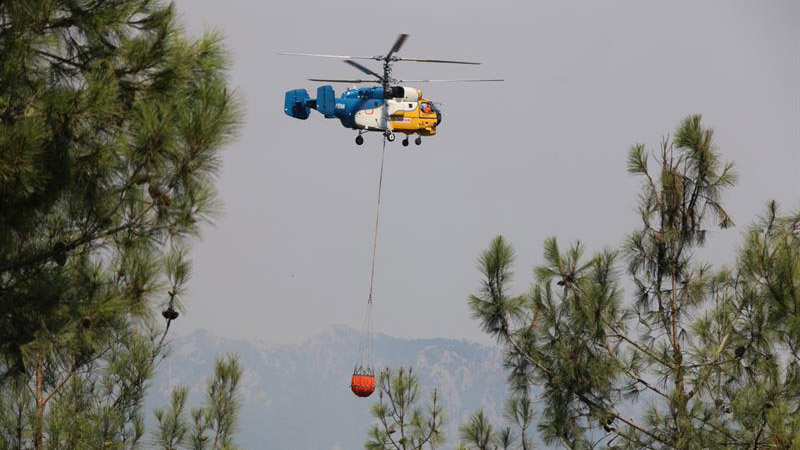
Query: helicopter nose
(438, 117)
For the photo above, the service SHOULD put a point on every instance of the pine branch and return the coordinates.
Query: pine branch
(702, 378)
(621, 336)
(635, 377)
(432, 423)
(583, 397)
(85, 239)
(386, 427)
(592, 404)
(69, 62)
(61, 383)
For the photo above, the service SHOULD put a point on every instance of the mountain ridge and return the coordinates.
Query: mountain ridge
(297, 396)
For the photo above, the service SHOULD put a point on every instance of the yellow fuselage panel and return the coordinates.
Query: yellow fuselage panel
(414, 121)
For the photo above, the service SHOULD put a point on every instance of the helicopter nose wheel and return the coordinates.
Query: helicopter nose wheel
(389, 136)
(359, 140)
(405, 142)
(418, 140)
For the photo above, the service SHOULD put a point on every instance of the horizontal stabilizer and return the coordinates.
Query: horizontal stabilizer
(297, 104)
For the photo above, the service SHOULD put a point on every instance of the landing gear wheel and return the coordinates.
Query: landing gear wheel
(359, 140)
(405, 142)
(389, 136)
(418, 140)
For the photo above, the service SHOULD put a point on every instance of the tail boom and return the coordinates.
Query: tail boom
(298, 104)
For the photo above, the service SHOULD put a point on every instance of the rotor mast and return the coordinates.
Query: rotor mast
(387, 79)
(387, 74)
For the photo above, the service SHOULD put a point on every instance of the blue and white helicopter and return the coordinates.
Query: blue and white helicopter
(389, 108)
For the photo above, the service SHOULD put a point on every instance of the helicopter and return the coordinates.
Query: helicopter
(388, 108)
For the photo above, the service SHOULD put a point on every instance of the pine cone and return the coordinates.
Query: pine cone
(154, 191)
(60, 253)
(141, 178)
(170, 314)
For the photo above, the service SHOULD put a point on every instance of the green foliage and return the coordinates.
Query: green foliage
(111, 126)
(106, 406)
(112, 123)
(102, 403)
(494, 305)
(402, 423)
(223, 403)
(478, 433)
(710, 357)
(214, 424)
(520, 412)
(172, 426)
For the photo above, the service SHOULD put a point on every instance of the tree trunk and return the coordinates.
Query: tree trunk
(38, 425)
(19, 425)
(681, 413)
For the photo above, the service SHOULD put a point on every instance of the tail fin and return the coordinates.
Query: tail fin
(326, 101)
(297, 104)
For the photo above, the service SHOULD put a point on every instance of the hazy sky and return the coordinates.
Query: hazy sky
(542, 154)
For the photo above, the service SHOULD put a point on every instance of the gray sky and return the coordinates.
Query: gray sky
(542, 154)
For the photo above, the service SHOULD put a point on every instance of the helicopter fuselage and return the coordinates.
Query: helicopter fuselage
(398, 110)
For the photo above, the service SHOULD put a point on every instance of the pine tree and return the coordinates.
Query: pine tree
(112, 121)
(222, 410)
(402, 423)
(173, 428)
(707, 358)
(480, 434)
(218, 417)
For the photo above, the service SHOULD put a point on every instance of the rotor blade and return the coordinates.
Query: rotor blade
(363, 69)
(397, 44)
(445, 81)
(443, 61)
(333, 80)
(326, 56)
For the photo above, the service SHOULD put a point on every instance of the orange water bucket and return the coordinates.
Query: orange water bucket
(362, 385)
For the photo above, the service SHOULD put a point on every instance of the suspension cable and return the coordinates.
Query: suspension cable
(377, 222)
(365, 344)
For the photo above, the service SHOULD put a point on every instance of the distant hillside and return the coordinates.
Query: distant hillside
(297, 397)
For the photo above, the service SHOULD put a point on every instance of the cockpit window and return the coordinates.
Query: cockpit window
(426, 108)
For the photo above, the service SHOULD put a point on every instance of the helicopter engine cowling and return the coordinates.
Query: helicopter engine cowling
(393, 92)
(403, 93)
